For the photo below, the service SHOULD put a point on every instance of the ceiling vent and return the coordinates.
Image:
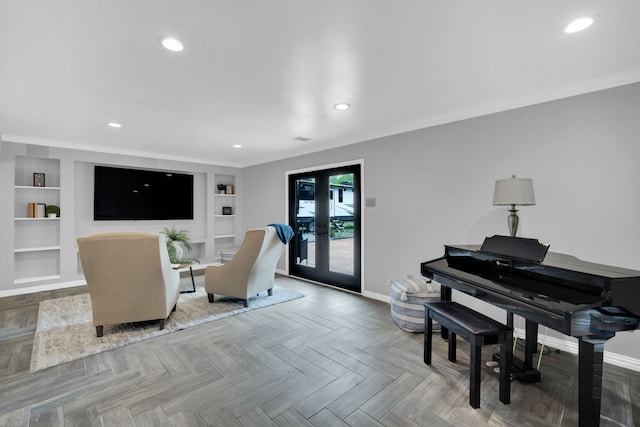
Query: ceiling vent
(302, 139)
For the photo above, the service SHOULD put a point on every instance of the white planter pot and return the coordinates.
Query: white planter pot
(179, 250)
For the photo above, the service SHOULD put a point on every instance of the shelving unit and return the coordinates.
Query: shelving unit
(225, 225)
(36, 240)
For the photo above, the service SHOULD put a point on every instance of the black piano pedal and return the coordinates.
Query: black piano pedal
(496, 368)
(519, 372)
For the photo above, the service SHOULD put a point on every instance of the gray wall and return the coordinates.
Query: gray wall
(434, 186)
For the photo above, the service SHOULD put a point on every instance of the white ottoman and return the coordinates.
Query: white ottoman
(407, 299)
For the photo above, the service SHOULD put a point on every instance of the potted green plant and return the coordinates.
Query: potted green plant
(174, 237)
(222, 188)
(53, 211)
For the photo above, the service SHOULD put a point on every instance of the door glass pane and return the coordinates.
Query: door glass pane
(305, 221)
(341, 254)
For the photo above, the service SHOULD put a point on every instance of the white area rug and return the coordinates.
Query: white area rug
(65, 330)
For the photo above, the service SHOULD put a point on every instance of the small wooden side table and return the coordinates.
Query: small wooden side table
(183, 267)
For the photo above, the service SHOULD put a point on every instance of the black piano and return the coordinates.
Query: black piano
(580, 299)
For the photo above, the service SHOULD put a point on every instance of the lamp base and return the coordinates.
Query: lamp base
(513, 220)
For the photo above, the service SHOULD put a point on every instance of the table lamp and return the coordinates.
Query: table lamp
(515, 192)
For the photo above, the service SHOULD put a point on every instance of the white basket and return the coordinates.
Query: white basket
(407, 299)
(227, 254)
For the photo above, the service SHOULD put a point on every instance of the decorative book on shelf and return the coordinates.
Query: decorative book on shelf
(36, 210)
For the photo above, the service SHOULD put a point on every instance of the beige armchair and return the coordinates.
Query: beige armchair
(250, 271)
(129, 276)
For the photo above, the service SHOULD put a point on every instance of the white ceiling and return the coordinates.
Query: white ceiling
(263, 72)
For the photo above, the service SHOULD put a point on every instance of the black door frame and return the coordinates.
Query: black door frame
(323, 275)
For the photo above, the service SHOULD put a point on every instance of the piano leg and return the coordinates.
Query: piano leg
(445, 295)
(590, 380)
(523, 370)
(531, 343)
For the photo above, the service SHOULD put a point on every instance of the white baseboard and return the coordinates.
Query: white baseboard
(42, 288)
(570, 345)
(376, 296)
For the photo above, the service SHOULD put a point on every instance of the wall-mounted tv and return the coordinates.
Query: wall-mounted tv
(136, 194)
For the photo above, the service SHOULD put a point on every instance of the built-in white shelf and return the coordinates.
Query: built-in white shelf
(37, 249)
(35, 279)
(36, 245)
(37, 219)
(225, 227)
(31, 187)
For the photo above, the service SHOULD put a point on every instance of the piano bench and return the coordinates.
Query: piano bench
(478, 330)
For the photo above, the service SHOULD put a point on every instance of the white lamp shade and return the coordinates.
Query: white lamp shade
(514, 191)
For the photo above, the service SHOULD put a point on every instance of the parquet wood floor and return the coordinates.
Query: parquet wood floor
(329, 359)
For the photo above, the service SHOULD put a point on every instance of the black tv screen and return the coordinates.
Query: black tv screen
(135, 194)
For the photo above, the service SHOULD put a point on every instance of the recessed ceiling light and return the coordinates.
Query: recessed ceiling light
(237, 146)
(115, 125)
(342, 106)
(172, 44)
(578, 25)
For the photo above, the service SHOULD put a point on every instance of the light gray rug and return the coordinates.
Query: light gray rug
(65, 330)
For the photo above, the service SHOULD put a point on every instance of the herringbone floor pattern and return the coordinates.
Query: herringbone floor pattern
(329, 359)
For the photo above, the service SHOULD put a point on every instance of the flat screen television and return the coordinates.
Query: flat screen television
(136, 194)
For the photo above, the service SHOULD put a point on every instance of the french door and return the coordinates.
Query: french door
(324, 212)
